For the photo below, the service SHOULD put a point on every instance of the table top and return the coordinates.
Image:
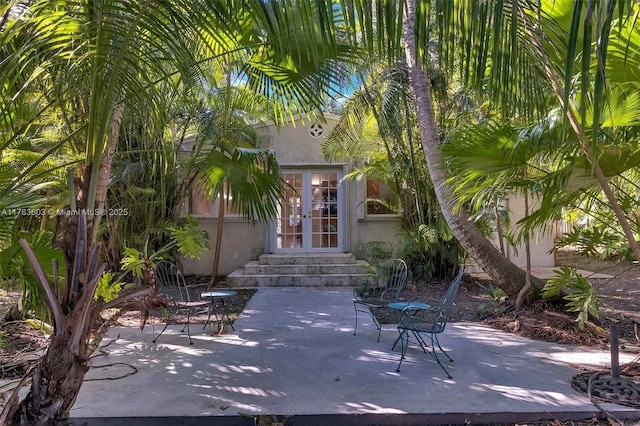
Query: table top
(218, 293)
(411, 305)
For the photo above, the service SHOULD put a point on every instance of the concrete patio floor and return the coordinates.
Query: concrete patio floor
(293, 352)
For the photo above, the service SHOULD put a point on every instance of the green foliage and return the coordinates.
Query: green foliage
(599, 241)
(108, 289)
(14, 266)
(496, 305)
(581, 297)
(375, 252)
(366, 289)
(132, 262)
(496, 294)
(429, 250)
(189, 238)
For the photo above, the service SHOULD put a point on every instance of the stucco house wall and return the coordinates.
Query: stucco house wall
(295, 149)
(541, 242)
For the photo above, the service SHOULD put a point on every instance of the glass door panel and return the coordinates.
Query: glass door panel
(289, 223)
(309, 215)
(324, 212)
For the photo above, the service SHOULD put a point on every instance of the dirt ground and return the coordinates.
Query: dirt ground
(618, 300)
(196, 285)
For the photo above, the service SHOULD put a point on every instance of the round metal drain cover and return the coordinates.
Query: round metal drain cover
(622, 390)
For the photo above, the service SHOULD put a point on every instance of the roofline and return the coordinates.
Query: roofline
(299, 118)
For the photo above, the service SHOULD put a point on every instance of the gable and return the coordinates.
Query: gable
(297, 143)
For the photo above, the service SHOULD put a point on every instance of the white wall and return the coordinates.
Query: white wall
(541, 242)
(241, 242)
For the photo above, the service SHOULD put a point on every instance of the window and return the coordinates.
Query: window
(377, 191)
(200, 204)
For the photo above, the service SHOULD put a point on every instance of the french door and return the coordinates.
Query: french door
(310, 217)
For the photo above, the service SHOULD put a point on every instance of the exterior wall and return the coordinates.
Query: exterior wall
(241, 242)
(293, 145)
(295, 148)
(541, 242)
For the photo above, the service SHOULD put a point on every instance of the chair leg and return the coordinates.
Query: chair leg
(377, 323)
(404, 333)
(435, 356)
(442, 350)
(166, 324)
(395, 343)
(421, 341)
(355, 329)
(188, 330)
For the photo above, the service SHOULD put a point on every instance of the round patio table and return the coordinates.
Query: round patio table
(218, 296)
(401, 306)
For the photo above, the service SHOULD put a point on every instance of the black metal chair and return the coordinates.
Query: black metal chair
(428, 322)
(370, 297)
(173, 288)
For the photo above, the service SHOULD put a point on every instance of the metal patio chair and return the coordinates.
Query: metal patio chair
(171, 284)
(428, 322)
(370, 297)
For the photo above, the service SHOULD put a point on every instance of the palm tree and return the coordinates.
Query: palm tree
(97, 60)
(505, 274)
(377, 131)
(518, 53)
(225, 160)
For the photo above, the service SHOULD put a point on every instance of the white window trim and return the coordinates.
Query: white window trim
(361, 207)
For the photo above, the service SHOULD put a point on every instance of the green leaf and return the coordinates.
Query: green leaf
(190, 238)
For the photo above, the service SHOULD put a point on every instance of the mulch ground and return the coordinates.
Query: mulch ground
(196, 285)
(549, 322)
(20, 345)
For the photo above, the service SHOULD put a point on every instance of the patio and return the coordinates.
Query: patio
(293, 353)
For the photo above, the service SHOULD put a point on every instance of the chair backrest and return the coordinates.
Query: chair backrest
(171, 283)
(444, 310)
(393, 275)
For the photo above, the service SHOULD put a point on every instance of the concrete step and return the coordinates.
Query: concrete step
(307, 259)
(237, 279)
(255, 268)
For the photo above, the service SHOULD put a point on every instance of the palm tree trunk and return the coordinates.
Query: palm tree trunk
(218, 249)
(506, 275)
(499, 232)
(105, 171)
(58, 376)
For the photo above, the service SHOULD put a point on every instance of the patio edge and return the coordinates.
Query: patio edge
(358, 419)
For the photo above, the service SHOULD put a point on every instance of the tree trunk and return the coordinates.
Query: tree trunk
(499, 232)
(218, 249)
(505, 275)
(58, 376)
(56, 383)
(104, 172)
(525, 291)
